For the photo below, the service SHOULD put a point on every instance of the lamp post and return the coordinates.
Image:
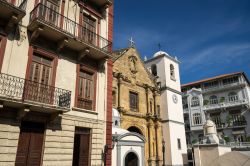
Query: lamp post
(163, 151)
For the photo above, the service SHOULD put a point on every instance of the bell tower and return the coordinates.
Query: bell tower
(165, 69)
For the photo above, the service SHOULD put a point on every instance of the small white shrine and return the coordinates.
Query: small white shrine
(128, 147)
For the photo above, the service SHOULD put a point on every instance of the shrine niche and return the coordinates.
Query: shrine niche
(132, 64)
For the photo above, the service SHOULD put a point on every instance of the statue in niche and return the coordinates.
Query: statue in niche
(132, 64)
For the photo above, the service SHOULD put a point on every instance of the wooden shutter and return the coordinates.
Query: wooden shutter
(81, 155)
(30, 144)
(84, 149)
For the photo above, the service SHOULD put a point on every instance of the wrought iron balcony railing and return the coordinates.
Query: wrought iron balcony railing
(19, 89)
(21, 4)
(70, 27)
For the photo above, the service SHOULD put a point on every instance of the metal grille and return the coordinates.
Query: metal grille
(15, 88)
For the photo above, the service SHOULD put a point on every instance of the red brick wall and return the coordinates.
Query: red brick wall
(109, 91)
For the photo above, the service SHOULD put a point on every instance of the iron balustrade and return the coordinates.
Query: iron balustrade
(19, 89)
(70, 27)
(21, 4)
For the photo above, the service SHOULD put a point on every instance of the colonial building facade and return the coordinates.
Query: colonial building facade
(137, 98)
(165, 69)
(225, 100)
(56, 82)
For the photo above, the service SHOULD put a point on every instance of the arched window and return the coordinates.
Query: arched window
(213, 99)
(196, 118)
(135, 130)
(172, 74)
(195, 101)
(154, 70)
(232, 96)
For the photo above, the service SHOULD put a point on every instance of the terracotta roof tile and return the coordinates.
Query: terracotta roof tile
(210, 79)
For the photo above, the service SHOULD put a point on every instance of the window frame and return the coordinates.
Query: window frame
(213, 100)
(172, 72)
(46, 54)
(197, 118)
(94, 72)
(195, 103)
(3, 43)
(179, 143)
(233, 98)
(137, 102)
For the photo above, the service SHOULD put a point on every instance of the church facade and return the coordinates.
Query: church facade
(137, 98)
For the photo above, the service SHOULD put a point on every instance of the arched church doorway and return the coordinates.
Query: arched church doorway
(135, 130)
(131, 159)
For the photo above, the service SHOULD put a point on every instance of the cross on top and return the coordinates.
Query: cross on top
(131, 42)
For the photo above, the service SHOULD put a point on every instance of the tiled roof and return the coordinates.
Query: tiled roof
(212, 78)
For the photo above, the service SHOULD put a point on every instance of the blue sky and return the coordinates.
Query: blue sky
(209, 37)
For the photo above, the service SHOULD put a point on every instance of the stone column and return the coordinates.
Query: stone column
(155, 107)
(150, 146)
(146, 90)
(119, 82)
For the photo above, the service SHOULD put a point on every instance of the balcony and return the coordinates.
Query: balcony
(11, 12)
(67, 33)
(223, 87)
(18, 93)
(102, 2)
(225, 104)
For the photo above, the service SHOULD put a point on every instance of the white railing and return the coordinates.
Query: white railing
(225, 104)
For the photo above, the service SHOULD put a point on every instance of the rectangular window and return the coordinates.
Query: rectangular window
(230, 80)
(85, 90)
(113, 98)
(213, 84)
(81, 152)
(89, 29)
(133, 98)
(50, 11)
(158, 110)
(39, 88)
(179, 143)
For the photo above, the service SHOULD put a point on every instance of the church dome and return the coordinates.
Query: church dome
(160, 53)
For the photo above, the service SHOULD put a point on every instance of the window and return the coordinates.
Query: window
(39, 87)
(195, 101)
(238, 119)
(179, 143)
(158, 110)
(151, 107)
(86, 82)
(230, 80)
(213, 84)
(196, 118)
(50, 11)
(172, 73)
(154, 70)
(216, 119)
(113, 98)
(81, 151)
(133, 98)
(213, 99)
(232, 97)
(89, 29)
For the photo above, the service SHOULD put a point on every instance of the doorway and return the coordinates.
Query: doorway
(131, 159)
(30, 144)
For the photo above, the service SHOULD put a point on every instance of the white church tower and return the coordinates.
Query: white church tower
(166, 71)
